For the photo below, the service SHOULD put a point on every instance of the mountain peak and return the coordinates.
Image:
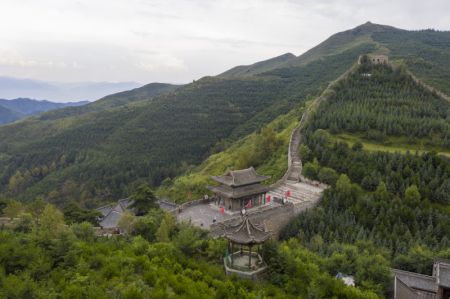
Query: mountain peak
(370, 27)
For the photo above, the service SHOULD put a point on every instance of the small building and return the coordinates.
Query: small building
(348, 280)
(111, 214)
(244, 262)
(410, 285)
(239, 189)
(373, 59)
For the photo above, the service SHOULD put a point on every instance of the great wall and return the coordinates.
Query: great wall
(292, 194)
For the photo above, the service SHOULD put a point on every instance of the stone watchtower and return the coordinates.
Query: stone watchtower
(373, 59)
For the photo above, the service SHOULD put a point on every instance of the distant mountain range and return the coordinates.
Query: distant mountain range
(104, 149)
(12, 110)
(11, 88)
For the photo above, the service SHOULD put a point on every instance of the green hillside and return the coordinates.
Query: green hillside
(386, 103)
(396, 200)
(373, 136)
(101, 151)
(7, 115)
(265, 150)
(84, 154)
(425, 52)
(258, 67)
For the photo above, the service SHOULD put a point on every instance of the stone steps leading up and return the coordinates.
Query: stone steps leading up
(299, 192)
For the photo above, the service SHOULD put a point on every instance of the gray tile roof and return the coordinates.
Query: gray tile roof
(402, 291)
(417, 281)
(111, 220)
(112, 213)
(241, 177)
(246, 233)
(423, 286)
(105, 209)
(239, 192)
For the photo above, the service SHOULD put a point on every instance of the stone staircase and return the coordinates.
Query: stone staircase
(303, 193)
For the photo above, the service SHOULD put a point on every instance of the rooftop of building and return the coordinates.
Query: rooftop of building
(236, 178)
(246, 232)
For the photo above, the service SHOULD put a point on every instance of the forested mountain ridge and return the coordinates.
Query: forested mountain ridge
(7, 115)
(103, 154)
(382, 209)
(399, 202)
(258, 67)
(425, 52)
(21, 108)
(379, 101)
(31, 107)
(102, 150)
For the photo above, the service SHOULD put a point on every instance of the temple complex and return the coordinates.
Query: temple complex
(239, 189)
(245, 236)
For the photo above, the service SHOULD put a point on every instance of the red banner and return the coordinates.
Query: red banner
(249, 205)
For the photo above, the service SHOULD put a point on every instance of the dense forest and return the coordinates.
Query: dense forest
(398, 202)
(103, 150)
(42, 257)
(382, 209)
(95, 156)
(266, 150)
(378, 101)
(425, 52)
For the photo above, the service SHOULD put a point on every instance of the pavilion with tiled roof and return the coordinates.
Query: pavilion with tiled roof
(245, 263)
(240, 188)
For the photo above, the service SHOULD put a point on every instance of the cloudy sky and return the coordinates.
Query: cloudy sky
(180, 40)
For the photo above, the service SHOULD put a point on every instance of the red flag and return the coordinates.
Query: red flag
(268, 198)
(222, 210)
(249, 205)
(288, 193)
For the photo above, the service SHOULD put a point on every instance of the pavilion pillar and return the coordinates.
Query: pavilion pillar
(232, 257)
(250, 257)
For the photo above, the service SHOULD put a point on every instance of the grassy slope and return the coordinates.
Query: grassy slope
(196, 180)
(258, 67)
(391, 144)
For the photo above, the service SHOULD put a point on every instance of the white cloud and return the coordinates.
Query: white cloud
(180, 40)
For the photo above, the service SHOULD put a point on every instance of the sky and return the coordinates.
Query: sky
(177, 41)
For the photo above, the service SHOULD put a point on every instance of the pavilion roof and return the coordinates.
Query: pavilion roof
(235, 178)
(246, 232)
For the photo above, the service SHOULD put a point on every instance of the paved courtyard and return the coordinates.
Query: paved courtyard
(202, 215)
